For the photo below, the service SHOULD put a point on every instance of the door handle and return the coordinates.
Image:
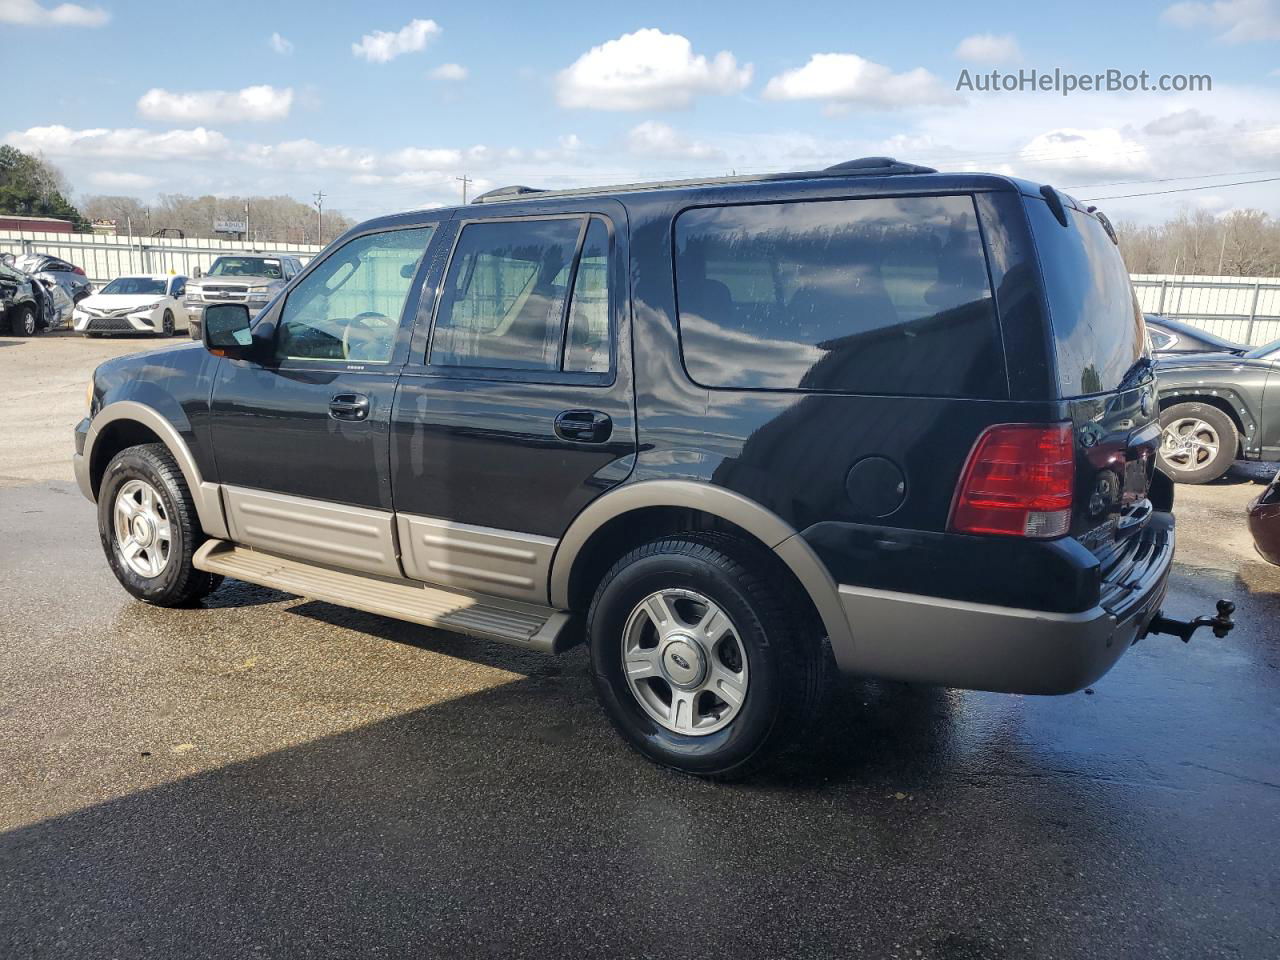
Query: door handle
(349, 406)
(584, 426)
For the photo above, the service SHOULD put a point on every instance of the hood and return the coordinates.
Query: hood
(120, 301)
(1202, 361)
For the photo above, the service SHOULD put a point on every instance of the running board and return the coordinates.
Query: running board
(525, 625)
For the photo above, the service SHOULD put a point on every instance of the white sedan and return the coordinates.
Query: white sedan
(146, 303)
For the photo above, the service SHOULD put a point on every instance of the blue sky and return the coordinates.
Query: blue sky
(146, 98)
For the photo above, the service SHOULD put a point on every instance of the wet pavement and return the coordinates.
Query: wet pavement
(267, 776)
(271, 776)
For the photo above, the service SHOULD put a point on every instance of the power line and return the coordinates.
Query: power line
(1198, 176)
(1207, 186)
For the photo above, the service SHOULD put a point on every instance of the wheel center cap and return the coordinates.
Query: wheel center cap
(683, 662)
(141, 530)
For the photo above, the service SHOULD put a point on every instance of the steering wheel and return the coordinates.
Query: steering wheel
(369, 336)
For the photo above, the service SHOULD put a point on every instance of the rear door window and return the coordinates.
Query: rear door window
(875, 295)
(527, 295)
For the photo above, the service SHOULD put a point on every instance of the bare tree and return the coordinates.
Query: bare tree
(1243, 243)
(276, 219)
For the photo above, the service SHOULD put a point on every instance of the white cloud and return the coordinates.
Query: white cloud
(59, 141)
(846, 79)
(450, 71)
(280, 45)
(647, 70)
(989, 48)
(118, 180)
(29, 13)
(255, 104)
(1173, 124)
(382, 46)
(1238, 21)
(1081, 151)
(309, 155)
(421, 158)
(657, 139)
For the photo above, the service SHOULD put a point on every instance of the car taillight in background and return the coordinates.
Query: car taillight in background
(1018, 482)
(78, 270)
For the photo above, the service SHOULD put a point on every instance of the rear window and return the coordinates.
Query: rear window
(876, 295)
(1097, 324)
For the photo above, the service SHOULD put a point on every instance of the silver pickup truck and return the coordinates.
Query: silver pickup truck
(249, 278)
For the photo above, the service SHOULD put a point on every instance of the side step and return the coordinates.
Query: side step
(525, 625)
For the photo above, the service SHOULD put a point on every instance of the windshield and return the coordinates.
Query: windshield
(1268, 351)
(1097, 326)
(135, 285)
(246, 267)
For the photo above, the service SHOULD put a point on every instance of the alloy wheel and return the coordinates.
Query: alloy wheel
(144, 535)
(1189, 443)
(684, 662)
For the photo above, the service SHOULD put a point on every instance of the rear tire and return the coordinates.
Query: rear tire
(741, 655)
(149, 530)
(1199, 442)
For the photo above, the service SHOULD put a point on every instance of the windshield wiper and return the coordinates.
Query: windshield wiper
(1136, 372)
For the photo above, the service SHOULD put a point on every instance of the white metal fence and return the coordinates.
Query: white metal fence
(1244, 309)
(105, 258)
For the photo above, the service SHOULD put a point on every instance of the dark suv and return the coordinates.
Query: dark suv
(724, 430)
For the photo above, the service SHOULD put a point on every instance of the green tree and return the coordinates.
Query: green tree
(31, 187)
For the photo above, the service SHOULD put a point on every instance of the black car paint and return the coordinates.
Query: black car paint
(1246, 388)
(789, 452)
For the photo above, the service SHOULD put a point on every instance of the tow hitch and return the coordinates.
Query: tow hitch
(1221, 624)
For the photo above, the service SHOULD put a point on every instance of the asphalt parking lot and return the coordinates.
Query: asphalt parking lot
(275, 777)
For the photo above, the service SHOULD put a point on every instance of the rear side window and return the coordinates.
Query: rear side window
(527, 295)
(876, 295)
(1097, 325)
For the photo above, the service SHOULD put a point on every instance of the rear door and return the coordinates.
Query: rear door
(518, 410)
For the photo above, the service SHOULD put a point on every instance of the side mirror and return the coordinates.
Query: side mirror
(225, 331)
(197, 273)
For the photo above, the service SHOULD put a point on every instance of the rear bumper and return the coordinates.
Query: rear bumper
(978, 646)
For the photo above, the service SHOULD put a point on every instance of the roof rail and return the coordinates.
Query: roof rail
(862, 167)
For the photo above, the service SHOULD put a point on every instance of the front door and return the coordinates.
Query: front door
(301, 439)
(520, 410)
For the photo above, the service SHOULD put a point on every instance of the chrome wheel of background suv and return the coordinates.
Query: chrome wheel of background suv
(1190, 443)
(144, 535)
(684, 662)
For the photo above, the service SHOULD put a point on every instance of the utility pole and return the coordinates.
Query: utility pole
(464, 179)
(319, 204)
(247, 234)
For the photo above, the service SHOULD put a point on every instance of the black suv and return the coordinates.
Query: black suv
(724, 430)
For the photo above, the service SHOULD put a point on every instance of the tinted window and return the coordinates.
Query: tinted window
(179, 286)
(1097, 325)
(349, 307)
(587, 343)
(875, 295)
(247, 267)
(504, 297)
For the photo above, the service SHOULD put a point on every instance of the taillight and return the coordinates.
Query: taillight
(1017, 482)
(78, 270)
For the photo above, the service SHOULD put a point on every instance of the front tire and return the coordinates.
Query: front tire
(22, 322)
(149, 530)
(1198, 443)
(702, 662)
(166, 324)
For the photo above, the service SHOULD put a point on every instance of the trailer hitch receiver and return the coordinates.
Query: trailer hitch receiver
(1184, 629)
